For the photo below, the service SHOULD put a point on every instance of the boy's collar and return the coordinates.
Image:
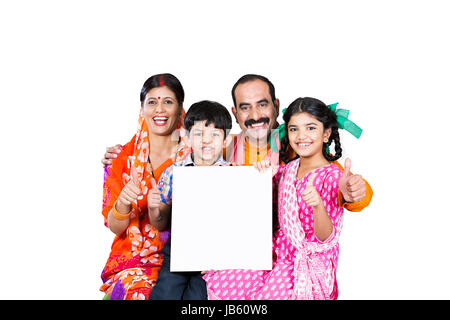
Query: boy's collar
(190, 162)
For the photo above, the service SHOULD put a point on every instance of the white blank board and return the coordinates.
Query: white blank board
(221, 219)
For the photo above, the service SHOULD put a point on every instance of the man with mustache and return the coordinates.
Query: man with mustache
(255, 109)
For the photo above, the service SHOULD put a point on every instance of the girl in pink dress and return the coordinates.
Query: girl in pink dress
(305, 246)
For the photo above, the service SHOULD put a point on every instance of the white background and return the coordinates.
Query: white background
(70, 76)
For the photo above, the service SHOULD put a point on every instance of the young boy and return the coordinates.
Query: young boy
(208, 124)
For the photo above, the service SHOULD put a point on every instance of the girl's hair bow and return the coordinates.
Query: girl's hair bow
(342, 121)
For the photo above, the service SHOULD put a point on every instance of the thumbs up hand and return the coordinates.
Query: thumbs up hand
(352, 186)
(154, 196)
(129, 193)
(310, 194)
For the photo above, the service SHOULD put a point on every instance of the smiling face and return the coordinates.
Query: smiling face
(207, 143)
(255, 112)
(307, 135)
(161, 111)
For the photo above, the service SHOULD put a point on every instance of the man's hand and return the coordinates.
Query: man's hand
(352, 186)
(111, 153)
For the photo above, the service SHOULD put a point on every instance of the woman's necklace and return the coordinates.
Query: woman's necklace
(173, 156)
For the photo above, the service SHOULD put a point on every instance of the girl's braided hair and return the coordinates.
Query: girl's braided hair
(321, 112)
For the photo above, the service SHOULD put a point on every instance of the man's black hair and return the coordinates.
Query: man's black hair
(251, 77)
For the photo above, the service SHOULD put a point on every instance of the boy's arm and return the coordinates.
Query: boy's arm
(160, 200)
(159, 217)
(361, 188)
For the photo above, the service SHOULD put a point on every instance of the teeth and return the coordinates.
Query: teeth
(304, 144)
(257, 125)
(160, 120)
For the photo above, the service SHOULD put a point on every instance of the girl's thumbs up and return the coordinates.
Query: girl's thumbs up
(310, 194)
(311, 179)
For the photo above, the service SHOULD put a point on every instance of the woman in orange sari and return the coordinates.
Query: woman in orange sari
(135, 259)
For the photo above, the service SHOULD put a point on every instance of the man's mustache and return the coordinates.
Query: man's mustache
(260, 120)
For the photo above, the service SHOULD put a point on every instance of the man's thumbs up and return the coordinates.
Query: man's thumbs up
(352, 186)
(347, 165)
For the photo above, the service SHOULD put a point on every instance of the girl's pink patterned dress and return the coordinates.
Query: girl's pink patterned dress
(303, 266)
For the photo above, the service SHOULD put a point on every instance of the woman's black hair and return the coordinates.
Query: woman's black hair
(321, 112)
(160, 80)
(212, 112)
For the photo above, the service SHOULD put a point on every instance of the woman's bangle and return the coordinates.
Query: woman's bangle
(118, 215)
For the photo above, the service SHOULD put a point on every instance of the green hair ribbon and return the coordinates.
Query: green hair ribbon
(342, 120)
(280, 131)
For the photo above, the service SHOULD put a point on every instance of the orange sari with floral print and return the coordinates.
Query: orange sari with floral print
(135, 259)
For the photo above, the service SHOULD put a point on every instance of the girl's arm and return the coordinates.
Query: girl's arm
(323, 227)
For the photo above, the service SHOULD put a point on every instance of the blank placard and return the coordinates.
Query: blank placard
(221, 219)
